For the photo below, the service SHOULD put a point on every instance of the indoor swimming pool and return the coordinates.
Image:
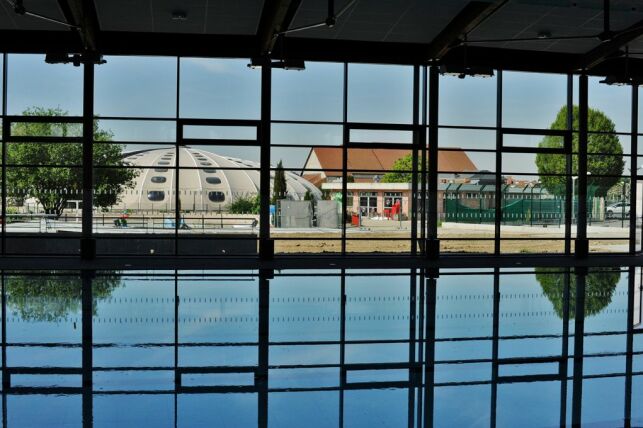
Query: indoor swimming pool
(494, 347)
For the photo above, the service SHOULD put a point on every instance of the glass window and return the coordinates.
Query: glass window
(459, 106)
(313, 94)
(532, 100)
(216, 196)
(33, 83)
(136, 87)
(213, 180)
(380, 93)
(219, 88)
(158, 179)
(156, 195)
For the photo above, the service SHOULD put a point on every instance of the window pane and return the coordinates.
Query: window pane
(459, 107)
(313, 94)
(219, 88)
(136, 87)
(532, 100)
(378, 93)
(34, 83)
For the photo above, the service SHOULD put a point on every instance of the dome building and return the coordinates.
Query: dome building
(207, 181)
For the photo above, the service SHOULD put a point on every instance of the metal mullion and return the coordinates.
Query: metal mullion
(472, 128)
(261, 379)
(568, 164)
(581, 223)
(342, 344)
(429, 343)
(379, 126)
(495, 346)
(5, 131)
(88, 250)
(579, 337)
(565, 349)
(177, 145)
(414, 159)
(432, 214)
(345, 140)
(219, 122)
(305, 122)
(631, 283)
(498, 172)
(423, 160)
(264, 156)
(529, 150)
(534, 131)
(633, 167)
(412, 346)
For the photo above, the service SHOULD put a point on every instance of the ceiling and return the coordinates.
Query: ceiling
(402, 31)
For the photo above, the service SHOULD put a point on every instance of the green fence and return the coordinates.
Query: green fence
(522, 211)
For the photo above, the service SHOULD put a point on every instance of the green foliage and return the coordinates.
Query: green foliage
(308, 196)
(279, 189)
(51, 298)
(401, 171)
(597, 165)
(53, 187)
(600, 284)
(245, 205)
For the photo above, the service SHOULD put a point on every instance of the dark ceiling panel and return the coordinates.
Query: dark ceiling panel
(125, 15)
(202, 16)
(10, 20)
(407, 21)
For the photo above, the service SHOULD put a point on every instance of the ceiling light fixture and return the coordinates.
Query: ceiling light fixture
(286, 64)
(179, 15)
(462, 71)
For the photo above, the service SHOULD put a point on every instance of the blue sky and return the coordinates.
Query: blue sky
(227, 89)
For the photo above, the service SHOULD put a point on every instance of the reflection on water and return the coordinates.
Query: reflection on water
(324, 348)
(600, 284)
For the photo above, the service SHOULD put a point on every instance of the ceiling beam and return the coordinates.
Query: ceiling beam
(610, 47)
(82, 13)
(276, 17)
(467, 20)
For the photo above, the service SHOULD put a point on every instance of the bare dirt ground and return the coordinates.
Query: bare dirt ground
(451, 242)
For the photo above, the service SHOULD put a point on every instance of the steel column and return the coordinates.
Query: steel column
(266, 246)
(633, 167)
(433, 245)
(582, 245)
(88, 245)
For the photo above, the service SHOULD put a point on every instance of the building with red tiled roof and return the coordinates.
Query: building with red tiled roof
(366, 165)
(367, 195)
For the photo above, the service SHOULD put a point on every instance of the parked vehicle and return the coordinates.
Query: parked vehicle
(618, 210)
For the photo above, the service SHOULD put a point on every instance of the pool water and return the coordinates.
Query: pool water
(355, 348)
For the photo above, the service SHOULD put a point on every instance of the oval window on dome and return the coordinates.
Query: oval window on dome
(158, 179)
(213, 180)
(164, 163)
(156, 195)
(209, 170)
(216, 196)
(206, 163)
(160, 169)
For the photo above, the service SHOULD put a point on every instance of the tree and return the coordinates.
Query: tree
(401, 171)
(279, 190)
(245, 205)
(51, 297)
(600, 284)
(59, 179)
(598, 165)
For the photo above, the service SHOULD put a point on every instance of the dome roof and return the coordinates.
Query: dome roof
(207, 185)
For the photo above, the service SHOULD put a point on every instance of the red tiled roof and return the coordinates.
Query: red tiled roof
(383, 159)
